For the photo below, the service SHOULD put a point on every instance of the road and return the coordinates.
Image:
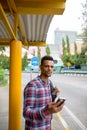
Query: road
(74, 89)
(74, 114)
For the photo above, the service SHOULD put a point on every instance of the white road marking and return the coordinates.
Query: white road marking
(75, 119)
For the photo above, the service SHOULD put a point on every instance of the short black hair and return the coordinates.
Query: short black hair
(46, 58)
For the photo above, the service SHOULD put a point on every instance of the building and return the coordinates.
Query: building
(59, 35)
(56, 48)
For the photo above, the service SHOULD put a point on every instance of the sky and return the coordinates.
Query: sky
(70, 20)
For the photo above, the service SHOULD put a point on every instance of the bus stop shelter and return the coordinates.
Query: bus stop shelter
(23, 23)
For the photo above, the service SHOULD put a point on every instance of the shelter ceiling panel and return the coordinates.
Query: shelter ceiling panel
(36, 26)
(28, 20)
(4, 33)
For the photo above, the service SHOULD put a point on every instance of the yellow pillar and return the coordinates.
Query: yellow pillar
(15, 86)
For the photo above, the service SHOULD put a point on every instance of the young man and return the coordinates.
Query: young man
(38, 105)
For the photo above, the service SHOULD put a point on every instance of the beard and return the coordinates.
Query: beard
(47, 74)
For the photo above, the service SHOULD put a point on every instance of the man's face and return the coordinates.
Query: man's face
(47, 68)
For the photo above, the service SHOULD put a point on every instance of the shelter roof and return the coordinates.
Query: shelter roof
(27, 20)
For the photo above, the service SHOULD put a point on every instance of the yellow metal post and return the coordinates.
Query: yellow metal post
(15, 86)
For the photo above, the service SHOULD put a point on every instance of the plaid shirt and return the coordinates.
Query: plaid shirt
(37, 95)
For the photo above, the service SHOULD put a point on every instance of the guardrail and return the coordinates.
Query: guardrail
(74, 71)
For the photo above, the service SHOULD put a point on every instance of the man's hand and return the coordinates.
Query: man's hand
(54, 108)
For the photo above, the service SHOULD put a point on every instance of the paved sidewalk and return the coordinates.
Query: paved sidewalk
(4, 104)
(4, 109)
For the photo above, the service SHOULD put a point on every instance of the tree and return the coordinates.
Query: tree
(75, 48)
(68, 45)
(66, 52)
(39, 54)
(48, 50)
(76, 57)
(4, 61)
(84, 34)
(2, 49)
(84, 16)
(4, 64)
(84, 54)
(25, 61)
(63, 46)
(64, 55)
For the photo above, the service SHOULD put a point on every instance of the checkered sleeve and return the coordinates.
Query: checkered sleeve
(30, 111)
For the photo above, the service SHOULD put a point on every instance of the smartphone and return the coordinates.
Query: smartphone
(58, 99)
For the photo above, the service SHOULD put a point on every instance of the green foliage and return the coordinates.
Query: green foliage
(84, 35)
(4, 61)
(65, 59)
(25, 61)
(66, 51)
(2, 49)
(2, 74)
(39, 54)
(63, 45)
(68, 45)
(3, 80)
(75, 48)
(84, 16)
(48, 50)
(84, 49)
(75, 59)
(84, 54)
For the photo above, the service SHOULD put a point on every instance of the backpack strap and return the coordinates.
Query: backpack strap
(53, 94)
